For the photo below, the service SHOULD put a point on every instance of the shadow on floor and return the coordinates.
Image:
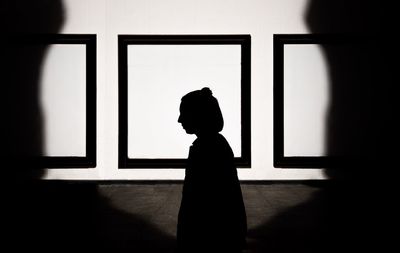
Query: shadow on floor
(73, 217)
(337, 217)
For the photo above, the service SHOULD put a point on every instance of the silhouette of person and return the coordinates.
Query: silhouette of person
(212, 216)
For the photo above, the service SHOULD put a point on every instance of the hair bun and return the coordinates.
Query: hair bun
(206, 91)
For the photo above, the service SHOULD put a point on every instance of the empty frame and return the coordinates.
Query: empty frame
(64, 91)
(320, 96)
(156, 71)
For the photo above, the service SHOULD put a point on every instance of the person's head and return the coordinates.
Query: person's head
(200, 113)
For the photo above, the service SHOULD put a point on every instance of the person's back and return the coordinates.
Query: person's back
(212, 214)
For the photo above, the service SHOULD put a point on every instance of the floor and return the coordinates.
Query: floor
(159, 204)
(156, 206)
(282, 217)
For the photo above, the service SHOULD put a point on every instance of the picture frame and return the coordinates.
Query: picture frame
(124, 41)
(61, 161)
(280, 159)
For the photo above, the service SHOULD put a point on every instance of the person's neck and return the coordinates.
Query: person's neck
(205, 134)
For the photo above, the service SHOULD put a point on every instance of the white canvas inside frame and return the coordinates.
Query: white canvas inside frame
(63, 100)
(158, 77)
(306, 95)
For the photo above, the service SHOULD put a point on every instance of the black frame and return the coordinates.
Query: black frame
(124, 40)
(89, 40)
(279, 41)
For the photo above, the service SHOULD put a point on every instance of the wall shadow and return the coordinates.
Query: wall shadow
(353, 209)
(50, 216)
(22, 117)
(362, 101)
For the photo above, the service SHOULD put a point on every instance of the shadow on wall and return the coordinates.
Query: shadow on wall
(50, 216)
(362, 107)
(353, 211)
(22, 119)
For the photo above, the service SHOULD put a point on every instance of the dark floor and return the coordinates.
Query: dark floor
(158, 205)
(282, 217)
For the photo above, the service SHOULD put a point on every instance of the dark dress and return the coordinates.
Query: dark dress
(212, 214)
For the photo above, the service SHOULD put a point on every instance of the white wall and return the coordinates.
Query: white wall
(306, 100)
(154, 99)
(63, 93)
(259, 18)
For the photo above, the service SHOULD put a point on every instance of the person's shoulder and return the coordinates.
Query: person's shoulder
(220, 139)
(223, 144)
(216, 141)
